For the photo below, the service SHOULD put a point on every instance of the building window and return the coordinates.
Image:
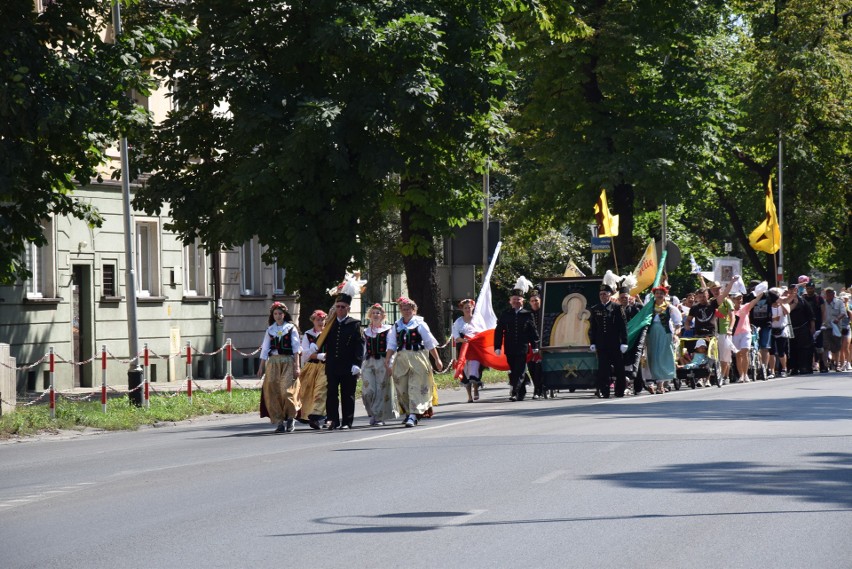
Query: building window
(40, 263)
(279, 275)
(147, 259)
(250, 268)
(108, 281)
(194, 270)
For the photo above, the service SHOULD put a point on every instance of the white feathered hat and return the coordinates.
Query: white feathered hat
(346, 290)
(522, 285)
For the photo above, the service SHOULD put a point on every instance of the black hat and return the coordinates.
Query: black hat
(606, 288)
(535, 292)
(624, 290)
(343, 297)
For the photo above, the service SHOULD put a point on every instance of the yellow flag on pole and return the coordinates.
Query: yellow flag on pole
(572, 270)
(607, 224)
(767, 236)
(646, 271)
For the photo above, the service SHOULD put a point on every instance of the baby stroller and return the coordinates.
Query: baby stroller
(756, 369)
(693, 372)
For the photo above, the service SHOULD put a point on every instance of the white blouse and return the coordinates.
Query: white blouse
(416, 323)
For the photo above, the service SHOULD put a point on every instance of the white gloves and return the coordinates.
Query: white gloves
(321, 357)
(623, 348)
(497, 351)
(593, 348)
(356, 370)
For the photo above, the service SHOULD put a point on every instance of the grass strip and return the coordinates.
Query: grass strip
(121, 415)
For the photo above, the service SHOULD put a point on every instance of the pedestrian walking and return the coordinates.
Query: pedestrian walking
(463, 329)
(280, 368)
(313, 390)
(516, 336)
(406, 360)
(344, 354)
(377, 389)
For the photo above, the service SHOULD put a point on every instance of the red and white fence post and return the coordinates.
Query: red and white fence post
(103, 378)
(146, 401)
(189, 371)
(52, 390)
(228, 375)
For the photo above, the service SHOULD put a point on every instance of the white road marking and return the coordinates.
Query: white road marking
(550, 477)
(403, 430)
(462, 520)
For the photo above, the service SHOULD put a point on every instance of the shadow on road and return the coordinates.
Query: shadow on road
(821, 478)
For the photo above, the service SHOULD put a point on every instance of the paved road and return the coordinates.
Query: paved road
(756, 475)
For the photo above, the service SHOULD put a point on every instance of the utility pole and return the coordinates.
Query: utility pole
(134, 372)
(486, 191)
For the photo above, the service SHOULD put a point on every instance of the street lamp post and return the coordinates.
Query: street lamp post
(134, 372)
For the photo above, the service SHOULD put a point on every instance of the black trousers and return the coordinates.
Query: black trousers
(345, 383)
(517, 367)
(610, 362)
(537, 377)
(801, 352)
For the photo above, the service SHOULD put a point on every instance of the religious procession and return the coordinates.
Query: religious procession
(616, 335)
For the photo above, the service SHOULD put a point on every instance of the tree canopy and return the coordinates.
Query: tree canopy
(311, 123)
(62, 104)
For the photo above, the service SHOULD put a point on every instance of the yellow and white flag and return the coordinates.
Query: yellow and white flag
(572, 270)
(646, 271)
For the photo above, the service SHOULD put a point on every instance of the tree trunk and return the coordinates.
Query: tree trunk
(316, 297)
(421, 273)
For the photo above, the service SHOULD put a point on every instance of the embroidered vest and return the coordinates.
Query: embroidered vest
(281, 344)
(314, 336)
(377, 347)
(408, 339)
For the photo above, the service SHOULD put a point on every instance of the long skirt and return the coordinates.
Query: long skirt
(280, 390)
(377, 391)
(412, 376)
(661, 353)
(313, 390)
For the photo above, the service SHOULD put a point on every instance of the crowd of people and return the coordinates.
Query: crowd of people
(313, 379)
(755, 332)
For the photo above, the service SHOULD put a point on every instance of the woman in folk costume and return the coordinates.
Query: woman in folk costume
(377, 389)
(408, 343)
(279, 361)
(662, 337)
(314, 384)
(464, 328)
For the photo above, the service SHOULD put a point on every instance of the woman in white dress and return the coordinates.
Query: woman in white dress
(377, 389)
(464, 329)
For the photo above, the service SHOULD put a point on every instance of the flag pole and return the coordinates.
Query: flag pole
(614, 257)
(779, 269)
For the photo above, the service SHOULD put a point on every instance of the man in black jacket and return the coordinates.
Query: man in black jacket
(515, 335)
(608, 339)
(343, 356)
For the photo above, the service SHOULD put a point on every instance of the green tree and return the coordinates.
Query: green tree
(604, 108)
(683, 101)
(62, 104)
(297, 121)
